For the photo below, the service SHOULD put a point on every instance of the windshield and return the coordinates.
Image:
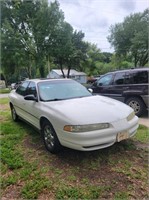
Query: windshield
(59, 90)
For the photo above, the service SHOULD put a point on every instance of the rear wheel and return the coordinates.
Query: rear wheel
(50, 138)
(14, 114)
(137, 104)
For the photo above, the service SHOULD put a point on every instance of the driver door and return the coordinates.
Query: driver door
(103, 85)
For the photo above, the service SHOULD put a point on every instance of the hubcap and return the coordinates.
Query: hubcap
(48, 136)
(135, 105)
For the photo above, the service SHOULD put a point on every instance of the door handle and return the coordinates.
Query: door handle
(126, 88)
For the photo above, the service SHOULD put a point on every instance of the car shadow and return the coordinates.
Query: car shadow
(73, 157)
(33, 140)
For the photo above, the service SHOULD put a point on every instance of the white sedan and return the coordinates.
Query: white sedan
(67, 114)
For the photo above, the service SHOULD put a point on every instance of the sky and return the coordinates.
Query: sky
(94, 17)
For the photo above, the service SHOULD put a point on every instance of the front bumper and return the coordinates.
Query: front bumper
(93, 140)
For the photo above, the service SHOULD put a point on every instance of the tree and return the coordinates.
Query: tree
(45, 29)
(17, 43)
(79, 52)
(106, 57)
(94, 57)
(68, 48)
(130, 38)
(34, 33)
(26, 28)
(62, 45)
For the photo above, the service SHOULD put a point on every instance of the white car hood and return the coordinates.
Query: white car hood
(89, 110)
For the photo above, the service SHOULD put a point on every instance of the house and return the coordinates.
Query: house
(81, 77)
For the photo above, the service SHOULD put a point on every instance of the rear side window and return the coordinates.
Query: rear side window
(22, 88)
(119, 78)
(137, 77)
(140, 77)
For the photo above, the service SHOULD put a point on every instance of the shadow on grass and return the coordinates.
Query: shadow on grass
(74, 157)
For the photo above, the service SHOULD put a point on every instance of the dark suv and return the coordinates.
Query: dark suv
(129, 86)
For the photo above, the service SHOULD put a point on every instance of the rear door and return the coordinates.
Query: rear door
(32, 108)
(18, 99)
(119, 86)
(27, 109)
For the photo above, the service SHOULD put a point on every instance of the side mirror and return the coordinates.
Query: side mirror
(95, 83)
(31, 97)
(100, 84)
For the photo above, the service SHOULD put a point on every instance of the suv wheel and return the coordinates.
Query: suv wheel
(137, 104)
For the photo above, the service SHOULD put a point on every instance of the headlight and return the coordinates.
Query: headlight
(86, 128)
(131, 116)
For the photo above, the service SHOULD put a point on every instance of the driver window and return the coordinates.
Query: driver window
(106, 80)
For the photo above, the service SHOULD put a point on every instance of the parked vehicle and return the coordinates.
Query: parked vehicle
(92, 79)
(129, 86)
(15, 85)
(67, 114)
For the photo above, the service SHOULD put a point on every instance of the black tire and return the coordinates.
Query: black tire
(14, 114)
(50, 138)
(137, 104)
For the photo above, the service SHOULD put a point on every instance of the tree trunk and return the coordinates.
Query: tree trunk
(144, 59)
(135, 60)
(48, 64)
(69, 68)
(41, 70)
(61, 67)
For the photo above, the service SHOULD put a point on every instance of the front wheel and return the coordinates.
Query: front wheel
(137, 104)
(14, 114)
(50, 138)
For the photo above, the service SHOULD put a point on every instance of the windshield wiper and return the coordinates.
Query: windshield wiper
(56, 99)
(83, 96)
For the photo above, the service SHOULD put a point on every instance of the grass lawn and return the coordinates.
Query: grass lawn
(28, 171)
(4, 91)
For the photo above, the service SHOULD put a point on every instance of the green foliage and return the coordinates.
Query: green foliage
(143, 134)
(90, 192)
(130, 38)
(4, 100)
(33, 34)
(9, 143)
(121, 196)
(4, 91)
(106, 57)
(25, 29)
(11, 180)
(94, 56)
(33, 187)
(36, 38)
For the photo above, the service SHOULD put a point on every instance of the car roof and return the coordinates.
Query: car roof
(128, 70)
(48, 79)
